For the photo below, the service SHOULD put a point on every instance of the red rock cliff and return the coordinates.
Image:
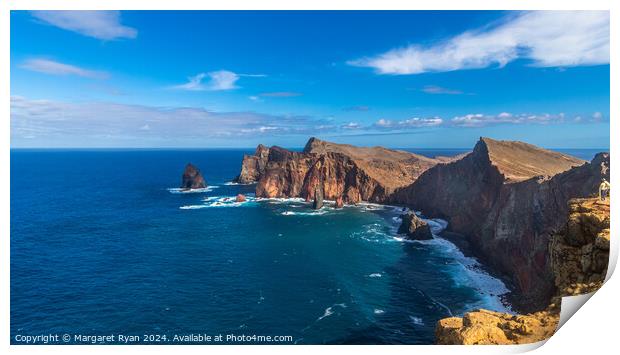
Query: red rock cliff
(352, 173)
(507, 198)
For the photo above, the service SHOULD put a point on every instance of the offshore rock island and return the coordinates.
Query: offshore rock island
(529, 214)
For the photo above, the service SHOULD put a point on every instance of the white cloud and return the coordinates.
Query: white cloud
(351, 126)
(597, 116)
(103, 25)
(438, 90)
(56, 68)
(219, 80)
(222, 80)
(479, 120)
(546, 38)
(408, 123)
(66, 122)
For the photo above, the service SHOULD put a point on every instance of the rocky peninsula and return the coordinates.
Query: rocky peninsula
(515, 204)
(352, 174)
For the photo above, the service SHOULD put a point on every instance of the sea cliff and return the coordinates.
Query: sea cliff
(518, 206)
(352, 174)
(579, 253)
(507, 199)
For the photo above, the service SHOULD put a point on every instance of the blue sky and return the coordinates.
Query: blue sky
(236, 79)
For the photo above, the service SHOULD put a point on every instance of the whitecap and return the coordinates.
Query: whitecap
(313, 213)
(416, 320)
(330, 310)
(376, 274)
(222, 201)
(379, 311)
(178, 190)
(467, 270)
(193, 207)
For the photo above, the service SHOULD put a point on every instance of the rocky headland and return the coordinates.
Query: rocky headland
(192, 178)
(522, 210)
(344, 172)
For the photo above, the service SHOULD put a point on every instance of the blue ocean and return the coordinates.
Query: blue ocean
(103, 242)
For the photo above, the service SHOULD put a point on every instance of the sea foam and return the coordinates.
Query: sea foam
(177, 190)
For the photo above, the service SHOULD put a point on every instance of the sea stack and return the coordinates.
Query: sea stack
(318, 198)
(240, 198)
(339, 202)
(414, 227)
(192, 179)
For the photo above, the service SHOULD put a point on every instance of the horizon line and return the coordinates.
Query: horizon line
(254, 147)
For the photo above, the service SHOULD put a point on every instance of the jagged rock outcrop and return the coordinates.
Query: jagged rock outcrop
(353, 173)
(339, 202)
(318, 198)
(483, 327)
(580, 250)
(414, 227)
(507, 198)
(240, 198)
(192, 179)
(253, 166)
(579, 253)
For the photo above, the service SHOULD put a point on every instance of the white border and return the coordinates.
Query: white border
(593, 330)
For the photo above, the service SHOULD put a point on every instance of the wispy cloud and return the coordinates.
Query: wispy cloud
(352, 126)
(104, 25)
(280, 94)
(98, 121)
(479, 119)
(357, 108)
(546, 38)
(438, 90)
(414, 122)
(56, 68)
(217, 81)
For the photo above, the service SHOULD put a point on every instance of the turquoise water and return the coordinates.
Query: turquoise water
(103, 243)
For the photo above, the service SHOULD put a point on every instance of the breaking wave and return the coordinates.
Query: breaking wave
(221, 201)
(178, 190)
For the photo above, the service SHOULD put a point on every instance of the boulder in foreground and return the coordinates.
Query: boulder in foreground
(192, 179)
(483, 327)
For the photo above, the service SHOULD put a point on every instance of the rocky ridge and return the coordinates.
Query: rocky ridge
(347, 173)
(506, 199)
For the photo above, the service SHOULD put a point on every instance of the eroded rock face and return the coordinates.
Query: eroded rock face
(579, 253)
(339, 202)
(414, 227)
(192, 179)
(353, 173)
(483, 327)
(318, 198)
(507, 199)
(253, 166)
(580, 250)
